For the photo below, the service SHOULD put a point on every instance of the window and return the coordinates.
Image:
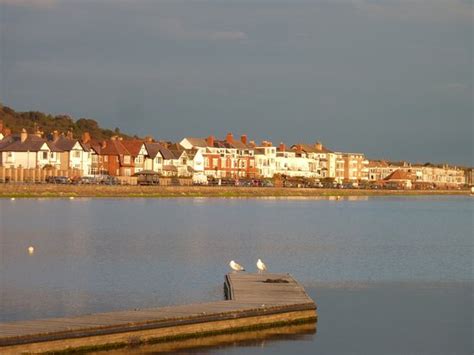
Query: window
(158, 160)
(126, 159)
(45, 155)
(206, 162)
(52, 155)
(76, 154)
(106, 158)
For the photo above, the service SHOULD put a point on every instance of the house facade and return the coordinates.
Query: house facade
(74, 154)
(229, 158)
(265, 159)
(28, 151)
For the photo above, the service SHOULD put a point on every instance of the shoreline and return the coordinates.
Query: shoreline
(101, 191)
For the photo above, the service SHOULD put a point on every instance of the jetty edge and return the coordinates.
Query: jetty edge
(253, 301)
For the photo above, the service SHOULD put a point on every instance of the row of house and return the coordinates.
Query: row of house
(203, 158)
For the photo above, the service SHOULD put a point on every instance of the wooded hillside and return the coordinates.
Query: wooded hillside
(33, 120)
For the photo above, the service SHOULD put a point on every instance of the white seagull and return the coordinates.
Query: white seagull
(261, 266)
(236, 267)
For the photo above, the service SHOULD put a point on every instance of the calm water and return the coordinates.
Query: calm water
(390, 275)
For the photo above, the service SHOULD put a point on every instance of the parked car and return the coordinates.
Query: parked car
(267, 183)
(57, 180)
(87, 180)
(110, 180)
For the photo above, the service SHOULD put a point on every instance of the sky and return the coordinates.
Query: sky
(390, 78)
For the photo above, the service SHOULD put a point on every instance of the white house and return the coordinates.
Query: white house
(74, 154)
(265, 159)
(154, 159)
(292, 163)
(28, 151)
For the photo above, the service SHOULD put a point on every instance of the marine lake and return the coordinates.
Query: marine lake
(390, 275)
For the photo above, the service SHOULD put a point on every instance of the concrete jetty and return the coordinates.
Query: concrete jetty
(253, 301)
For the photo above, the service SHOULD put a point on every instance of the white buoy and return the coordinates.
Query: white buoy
(31, 250)
(236, 267)
(261, 266)
(13, 199)
(71, 197)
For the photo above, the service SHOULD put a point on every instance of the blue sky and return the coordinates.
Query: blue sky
(390, 78)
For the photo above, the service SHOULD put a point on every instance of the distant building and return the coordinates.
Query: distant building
(400, 178)
(265, 159)
(229, 158)
(74, 154)
(28, 151)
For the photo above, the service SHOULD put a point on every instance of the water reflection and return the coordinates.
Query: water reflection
(259, 338)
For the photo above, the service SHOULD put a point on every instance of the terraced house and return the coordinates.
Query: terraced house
(73, 154)
(229, 158)
(28, 151)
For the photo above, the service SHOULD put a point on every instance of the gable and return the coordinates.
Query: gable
(45, 146)
(77, 146)
(143, 150)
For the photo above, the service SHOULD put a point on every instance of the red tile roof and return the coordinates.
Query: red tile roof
(399, 175)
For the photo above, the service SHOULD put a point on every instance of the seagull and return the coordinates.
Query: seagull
(236, 267)
(261, 266)
(31, 250)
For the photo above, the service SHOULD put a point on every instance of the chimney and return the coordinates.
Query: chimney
(252, 144)
(148, 139)
(210, 141)
(264, 143)
(229, 138)
(23, 135)
(103, 144)
(69, 134)
(243, 139)
(319, 146)
(282, 147)
(269, 144)
(86, 137)
(299, 148)
(113, 138)
(7, 132)
(1, 126)
(55, 135)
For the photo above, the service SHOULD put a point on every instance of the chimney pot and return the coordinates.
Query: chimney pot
(23, 135)
(243, 139)
(210, 141)
(282, 147)
(229, 138)
(319, 146)
(86, 137)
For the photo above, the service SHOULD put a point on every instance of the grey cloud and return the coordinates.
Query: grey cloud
(35, 3)
(175, 28)
(417, 10)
